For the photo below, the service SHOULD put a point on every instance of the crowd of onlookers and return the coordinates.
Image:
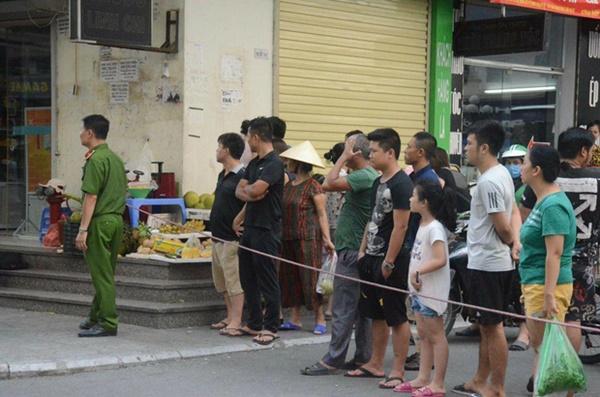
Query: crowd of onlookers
(533, 218)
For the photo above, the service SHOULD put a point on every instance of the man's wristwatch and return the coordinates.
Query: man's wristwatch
(82, 230)
(388, 265)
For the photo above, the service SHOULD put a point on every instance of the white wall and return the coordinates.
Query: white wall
(209, 30)
(144, 118)
(214, 29)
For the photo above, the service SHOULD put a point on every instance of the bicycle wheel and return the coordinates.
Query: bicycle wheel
(452, 311)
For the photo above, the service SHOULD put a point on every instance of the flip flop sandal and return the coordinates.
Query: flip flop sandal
(272, 339)
(320, 329)
(351, 365)
(289, 326)
(364, 373)
(220, 325)
(519, 346)
(318, 369)
(232, 332)
(427, 392)
(462, 390)
(388, 379)
(406, 388)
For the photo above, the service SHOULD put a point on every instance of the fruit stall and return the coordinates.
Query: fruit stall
(172, 230)
(164, 238)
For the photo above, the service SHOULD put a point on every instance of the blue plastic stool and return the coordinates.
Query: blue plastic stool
(134, 207)
(45, 220)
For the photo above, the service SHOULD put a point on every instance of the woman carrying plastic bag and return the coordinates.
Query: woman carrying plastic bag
(548, 238)
(559, 367)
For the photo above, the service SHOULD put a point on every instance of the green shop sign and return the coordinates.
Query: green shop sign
(440, 71)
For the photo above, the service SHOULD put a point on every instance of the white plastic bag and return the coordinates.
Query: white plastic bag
(192, 249)
(142, 163)
(325, 281)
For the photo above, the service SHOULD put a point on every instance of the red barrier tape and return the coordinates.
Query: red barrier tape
(383, 286)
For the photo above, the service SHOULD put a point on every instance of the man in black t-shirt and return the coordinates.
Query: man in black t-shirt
(582, 186)
(262, 190)
(225, 266)
(384, 258)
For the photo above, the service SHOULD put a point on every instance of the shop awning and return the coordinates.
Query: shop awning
(575, 8)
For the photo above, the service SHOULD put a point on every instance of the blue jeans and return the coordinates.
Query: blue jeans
(419, 308)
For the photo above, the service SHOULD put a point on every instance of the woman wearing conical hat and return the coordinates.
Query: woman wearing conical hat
(305, 233)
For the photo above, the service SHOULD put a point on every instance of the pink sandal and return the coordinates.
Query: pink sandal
(427, 392)
(406, 388)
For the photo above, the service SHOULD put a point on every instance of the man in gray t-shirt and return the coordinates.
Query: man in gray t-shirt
(493, 232)
(494, 194)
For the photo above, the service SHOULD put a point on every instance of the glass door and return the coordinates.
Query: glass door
(25, 118)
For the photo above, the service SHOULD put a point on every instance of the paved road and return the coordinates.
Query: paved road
(260, 373)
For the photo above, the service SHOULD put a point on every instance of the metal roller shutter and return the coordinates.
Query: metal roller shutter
(350, 64)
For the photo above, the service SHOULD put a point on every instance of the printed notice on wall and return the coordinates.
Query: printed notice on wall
(105, 53)
(231, 68)
(229, 98)
(129, 70)
(261, 53)
(119, 93)
(109, 71)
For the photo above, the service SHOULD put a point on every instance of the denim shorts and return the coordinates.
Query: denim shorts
(420, 308)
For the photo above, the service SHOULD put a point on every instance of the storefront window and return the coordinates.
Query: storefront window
(25, 100)
(523, 102)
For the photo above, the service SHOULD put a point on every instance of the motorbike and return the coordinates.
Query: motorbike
(459, 259)
(590, 348)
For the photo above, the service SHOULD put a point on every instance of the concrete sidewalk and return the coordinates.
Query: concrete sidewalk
(36, 344)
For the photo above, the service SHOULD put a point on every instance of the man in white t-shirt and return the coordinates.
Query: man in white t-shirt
(493, 233)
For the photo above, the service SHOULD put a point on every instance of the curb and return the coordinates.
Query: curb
(65, 367)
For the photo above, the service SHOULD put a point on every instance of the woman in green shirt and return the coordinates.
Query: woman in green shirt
(547, 240)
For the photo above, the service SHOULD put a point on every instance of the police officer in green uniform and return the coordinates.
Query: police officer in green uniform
(104, 186)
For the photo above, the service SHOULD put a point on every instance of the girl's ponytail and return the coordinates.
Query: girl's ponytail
(442, 202)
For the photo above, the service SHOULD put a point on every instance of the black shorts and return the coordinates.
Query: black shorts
(583, 304)
(382, 304)
(492, 290)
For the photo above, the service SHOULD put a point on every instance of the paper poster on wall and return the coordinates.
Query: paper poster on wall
(38, 147)
(129, 70)
(231, 68)
(119, 93)
(166, 92)
(230, 98)
(197, 55)
(109, 71)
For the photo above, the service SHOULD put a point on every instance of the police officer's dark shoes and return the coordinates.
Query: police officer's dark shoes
(97, 330)
(86, 324)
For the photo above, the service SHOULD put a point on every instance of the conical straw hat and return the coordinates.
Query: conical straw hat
(305, 153)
